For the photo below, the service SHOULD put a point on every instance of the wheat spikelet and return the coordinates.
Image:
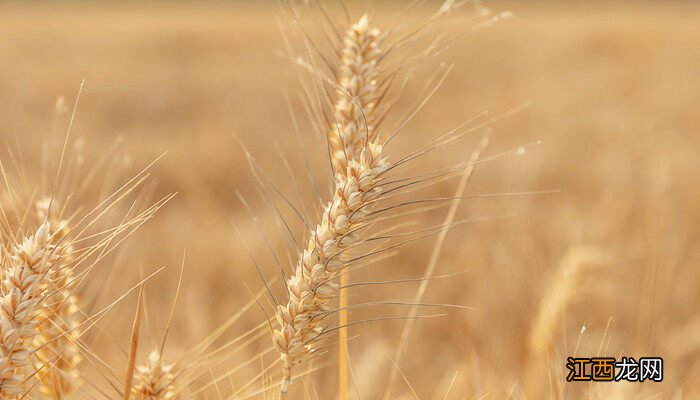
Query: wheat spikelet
(25, 278)
(57, 354)
(155, 380)
(311, 287)
(357, 94)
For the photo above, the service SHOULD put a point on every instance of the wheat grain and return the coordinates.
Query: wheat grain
(311, 287)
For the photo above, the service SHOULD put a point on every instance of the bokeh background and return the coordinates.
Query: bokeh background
(613, 94)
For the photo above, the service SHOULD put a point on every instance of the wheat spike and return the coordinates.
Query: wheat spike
(311, 287)
(25, 278)
(57, 354)
(155, 380)
(558, 297)
(357, 94)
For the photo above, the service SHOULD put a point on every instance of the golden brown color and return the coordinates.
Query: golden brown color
(612, 90)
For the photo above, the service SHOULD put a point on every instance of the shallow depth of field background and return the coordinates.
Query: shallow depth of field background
(614, 95)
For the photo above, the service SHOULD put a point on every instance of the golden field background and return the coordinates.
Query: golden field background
(613, 92)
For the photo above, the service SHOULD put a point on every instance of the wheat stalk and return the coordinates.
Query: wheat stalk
(311, 287)
(25, 279)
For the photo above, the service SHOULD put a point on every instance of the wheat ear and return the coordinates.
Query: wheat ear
(357, 94)
(25, 278)
(57, 354)
(353, 113)
(155, 380)
(557, 298)
(312, 285)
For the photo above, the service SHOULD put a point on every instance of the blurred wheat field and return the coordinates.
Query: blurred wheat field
(612, 91)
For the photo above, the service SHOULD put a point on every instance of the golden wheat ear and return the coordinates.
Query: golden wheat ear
(57, 354)
(372, 192)
(42, 321)
(564, 287)
(367, 187)
(25, 278)
(311, 287)
(358, 94)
